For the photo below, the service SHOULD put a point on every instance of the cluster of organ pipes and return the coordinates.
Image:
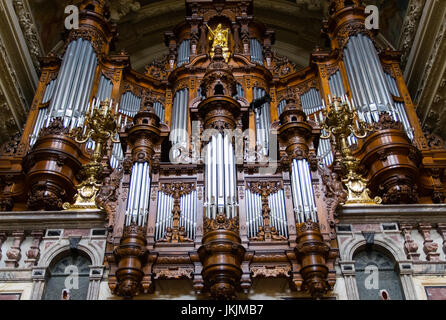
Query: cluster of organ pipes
(302, 191)
(104, 89)
(371, 91)
(183, 53)
(400, 110)
(130, 104)
(163, 214)
(74, 83)
(139, 195)
(180, 112)
(256, 51)
(221, 178)
(188, 206)
(254, 217)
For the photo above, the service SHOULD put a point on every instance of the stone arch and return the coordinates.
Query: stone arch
(62, 246)
(353, 245)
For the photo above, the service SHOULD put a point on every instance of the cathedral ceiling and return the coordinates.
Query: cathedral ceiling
(30, 28)
(142, 24)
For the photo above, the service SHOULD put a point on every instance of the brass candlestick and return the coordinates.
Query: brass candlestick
(100, 126)
(339, 124)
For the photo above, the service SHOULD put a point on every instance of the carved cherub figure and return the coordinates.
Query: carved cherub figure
(260, 235)
(275, 234)
(167, 236)
(183, 236)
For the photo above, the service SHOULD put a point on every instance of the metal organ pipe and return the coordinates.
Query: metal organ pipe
(256, 51)
(262, 122)
(311, 105)
(400, 109)
(43, 112)
(137, 204)
(220, 177)
(183, 53)
(366, 76)
(159, 110)
(302, 190)
(73, 85)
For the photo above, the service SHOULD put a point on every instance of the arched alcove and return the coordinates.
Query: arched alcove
(377, 275)
(69, 270)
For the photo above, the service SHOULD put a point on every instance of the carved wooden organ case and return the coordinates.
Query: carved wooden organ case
(220, 175)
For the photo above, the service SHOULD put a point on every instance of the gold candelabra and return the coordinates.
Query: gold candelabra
(99, 127)
(339, 123)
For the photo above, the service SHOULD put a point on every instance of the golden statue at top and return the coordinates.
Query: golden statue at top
(219, 38)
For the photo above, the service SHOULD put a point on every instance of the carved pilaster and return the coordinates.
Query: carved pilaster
(33, 254)
(442, 231)
(429, 246)
(14, 254)
(410, 245)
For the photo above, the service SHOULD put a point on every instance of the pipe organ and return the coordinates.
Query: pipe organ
(130, 104)
(256, 51)
(263, 122)
(180, 117)
(212, 210)
(74, 82)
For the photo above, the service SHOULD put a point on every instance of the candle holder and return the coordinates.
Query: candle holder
(99, 126)
(339, 124)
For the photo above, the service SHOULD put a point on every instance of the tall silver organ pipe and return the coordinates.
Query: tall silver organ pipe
(163, 214)
(336, 85)
(367, 80)
(43, 112)
(130, 104)
(117, 155)
(312, 106)
(281, 106)
(240, 91)
(254, 215)
(302, 190)
(188, 205)
(183, 53)
(399, 107)
(256, 51)
(276, 202)
(221, 177)
(159, 110)
(254, 218)
(180, 111)
(139, 194)
(263, 121)
(74, 83)
(105, 88)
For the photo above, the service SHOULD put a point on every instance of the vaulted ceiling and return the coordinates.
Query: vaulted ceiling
(32, 28)
(142, 24)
